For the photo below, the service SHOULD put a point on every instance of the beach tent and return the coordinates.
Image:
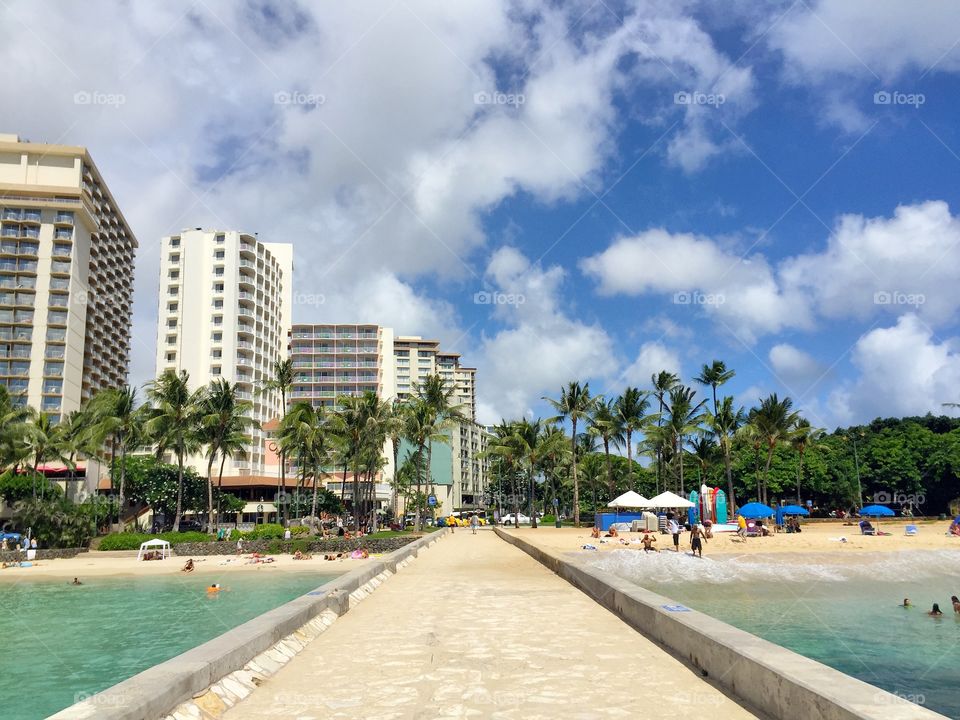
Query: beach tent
(877, 511)
(669, 500)
(756, 511)
(156, 544)
(629, 499)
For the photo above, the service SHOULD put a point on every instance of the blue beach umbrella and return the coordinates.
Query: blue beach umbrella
(755, 511)
(794, 510)
(877, 511)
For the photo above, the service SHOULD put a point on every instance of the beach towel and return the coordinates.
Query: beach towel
(588, 546)
(910, 530)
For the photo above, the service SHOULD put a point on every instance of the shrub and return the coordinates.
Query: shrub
(132, 541)
(549, 519)
(266, 531)
(299, 530)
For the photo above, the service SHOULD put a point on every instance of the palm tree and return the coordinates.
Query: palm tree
(505, 446)
(117, 417)
(685, 419)
(604, 424)
(714, 375)
(420, 428)
(805, 437)
(663, 382)
(631, 413)
(724, 425)
(575, 404)
(13, 417)
(775, 423)
(438, 394)
(304, 434)
(42, 441)
(174, 423)
(224, 417)
(280, 381)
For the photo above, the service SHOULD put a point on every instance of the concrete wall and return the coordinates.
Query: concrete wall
(157, 691)
(778, 681)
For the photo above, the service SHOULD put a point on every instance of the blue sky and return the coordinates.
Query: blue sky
(418, 154)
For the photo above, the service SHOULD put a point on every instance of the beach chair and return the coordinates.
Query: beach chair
(910, 530)
(866, 528)
(753, 530)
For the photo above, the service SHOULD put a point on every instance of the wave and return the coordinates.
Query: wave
(667, 567)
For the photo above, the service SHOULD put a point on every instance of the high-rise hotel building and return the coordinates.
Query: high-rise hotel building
(225, 312)
(66, 277)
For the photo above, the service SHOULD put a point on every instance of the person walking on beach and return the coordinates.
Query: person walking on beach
(696, 541)
(742, 527)
(474, 523)
(673, 527)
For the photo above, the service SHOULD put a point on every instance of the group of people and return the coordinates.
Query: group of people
(699, 534)
(935, 611)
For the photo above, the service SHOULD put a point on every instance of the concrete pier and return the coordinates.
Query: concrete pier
(477, 628)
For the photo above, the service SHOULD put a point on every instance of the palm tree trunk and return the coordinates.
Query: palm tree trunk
(417, 520)
(533, 504)
(606, 452)
(210, 492)
(179, 510)
(799, 476)
(766, 472)
(282, 482)
(576, 484)
(223, 461)
(732, 504)
(629, 461)
(123, 477)
(680, 455)
(313, 507)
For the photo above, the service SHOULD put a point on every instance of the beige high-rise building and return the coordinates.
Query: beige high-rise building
(66, 277)
(415, 358)
(225, 312)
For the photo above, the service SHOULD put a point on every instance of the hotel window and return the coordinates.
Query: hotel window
(218, 271)
(219, 255)
(218, 337)
(171, 357)
(216, 353)
(218, 319)
(171, 339)
(172, 323)
(172, 290)
(219, 238)
(218, 287)
(172, 307)
(174, 274)
(174, 242)
(218, 304)
(174, 257)
(214, 369)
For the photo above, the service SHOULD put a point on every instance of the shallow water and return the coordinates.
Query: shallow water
(62, 643)
(844, 615)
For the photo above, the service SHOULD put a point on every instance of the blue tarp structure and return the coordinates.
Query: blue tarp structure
(9, 536)
(605, 520)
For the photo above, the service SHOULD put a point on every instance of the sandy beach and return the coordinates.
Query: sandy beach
(108, 564)
(819, 538)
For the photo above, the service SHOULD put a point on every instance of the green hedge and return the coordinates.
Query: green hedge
(132, 541)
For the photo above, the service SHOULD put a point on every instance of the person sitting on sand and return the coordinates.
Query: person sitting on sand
(300, 556)
(331, 556)
(612, 532)
(954, 528)
(76, 581)
(956, 603)
(595, 532)
(648, 540)
(188, 566)
(935, 611)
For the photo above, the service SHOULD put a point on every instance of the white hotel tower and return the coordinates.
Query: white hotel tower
(225, 312)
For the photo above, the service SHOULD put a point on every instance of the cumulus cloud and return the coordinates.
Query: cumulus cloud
(870, 266)
(904, 370)
(541, 347)
(863, 37)
(652, 357)
(796, 369)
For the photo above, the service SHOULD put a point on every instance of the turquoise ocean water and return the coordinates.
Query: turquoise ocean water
(843, 615)
(60, 642)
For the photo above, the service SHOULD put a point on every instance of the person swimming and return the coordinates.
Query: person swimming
(935, 612)
(213, 589)
(76, 581)
(907, 603)
(956, 603)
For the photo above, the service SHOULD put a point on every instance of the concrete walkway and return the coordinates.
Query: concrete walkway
(476, 628)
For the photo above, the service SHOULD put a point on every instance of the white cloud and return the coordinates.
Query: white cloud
(797, 370)
(909, 262)
(542, 348)
(862, 37)
(904, 370)
(651, 359)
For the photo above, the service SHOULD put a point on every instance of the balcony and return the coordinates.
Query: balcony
(31, 216)
(244, 361)
(12, 214)
(245, 311)
(63, 218)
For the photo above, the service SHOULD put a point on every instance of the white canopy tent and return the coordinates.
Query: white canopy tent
(629, 499)
(669, 500)
(156, 544)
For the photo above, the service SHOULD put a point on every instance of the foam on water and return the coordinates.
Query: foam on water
(668, 567)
